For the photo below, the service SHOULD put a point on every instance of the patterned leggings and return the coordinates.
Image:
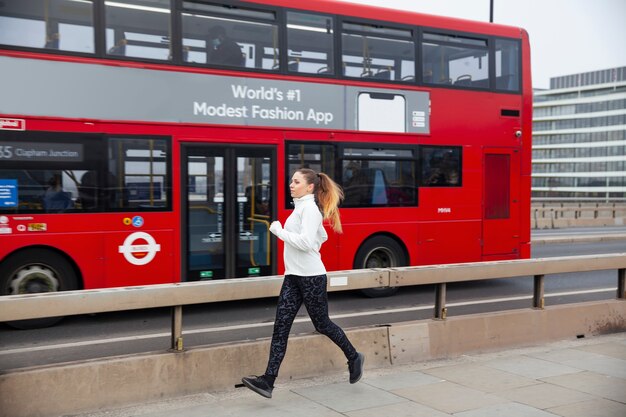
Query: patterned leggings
(311, 291)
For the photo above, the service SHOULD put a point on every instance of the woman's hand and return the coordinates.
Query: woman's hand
(276, 227)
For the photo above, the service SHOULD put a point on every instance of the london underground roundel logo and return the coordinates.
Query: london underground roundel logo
(139, 248)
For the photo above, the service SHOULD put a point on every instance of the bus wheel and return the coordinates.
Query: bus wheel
(36, 271)
(380, 252)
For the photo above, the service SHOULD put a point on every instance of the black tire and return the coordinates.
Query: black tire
(36, 271)
(380, 252)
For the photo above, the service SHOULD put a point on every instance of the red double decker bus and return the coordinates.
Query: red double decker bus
(152, 141)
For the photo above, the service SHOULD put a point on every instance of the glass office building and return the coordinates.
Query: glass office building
(579, 138)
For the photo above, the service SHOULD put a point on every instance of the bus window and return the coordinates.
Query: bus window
(455, 60)
(40, 172)
(138, 28)
(55, 173)
(507, 64)
(378, 52)
(310, 43)
(48, 190)
(58, 194)
(230, 36)
(375, 177)
(318, 157)
(138, 174)
(63, 25)
(440, 166)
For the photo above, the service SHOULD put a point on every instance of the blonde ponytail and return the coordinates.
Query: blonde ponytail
(328, 194)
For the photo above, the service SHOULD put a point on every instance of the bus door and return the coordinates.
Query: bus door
(501, 222)
(228, 206)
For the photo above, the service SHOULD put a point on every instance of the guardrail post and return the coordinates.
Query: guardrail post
(177, 328)
(621, 284)
(440, 302)
(538, 292)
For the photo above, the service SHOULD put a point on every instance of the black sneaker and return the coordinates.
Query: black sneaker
(259, 384)
(356, 368)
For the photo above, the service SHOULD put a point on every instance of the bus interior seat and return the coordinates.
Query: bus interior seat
(324, 70)
(383, 74)
(293, 66)
(379, 191)
(464, 79)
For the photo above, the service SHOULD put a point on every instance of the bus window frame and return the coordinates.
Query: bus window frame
(337, 173)
(96, 150)
(279, 21)
(59, 52)
(314, 142)
(493, 51)
(339, 32)
(104, 27)
(167, 186)
(285, 39)
(414, 159)
(94, 154)
(471, 35)
(420, 180)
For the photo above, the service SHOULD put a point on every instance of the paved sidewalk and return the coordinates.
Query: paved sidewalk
(576, 378)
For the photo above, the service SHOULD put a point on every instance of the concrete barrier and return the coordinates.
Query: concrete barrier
(564, 215)
(108, 383)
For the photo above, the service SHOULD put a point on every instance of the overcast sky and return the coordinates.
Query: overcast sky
(566, 36)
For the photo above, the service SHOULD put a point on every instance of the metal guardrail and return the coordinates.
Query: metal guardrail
(538, 268)
(32, 306)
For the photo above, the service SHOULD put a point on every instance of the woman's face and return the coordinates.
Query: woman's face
(299, 187)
